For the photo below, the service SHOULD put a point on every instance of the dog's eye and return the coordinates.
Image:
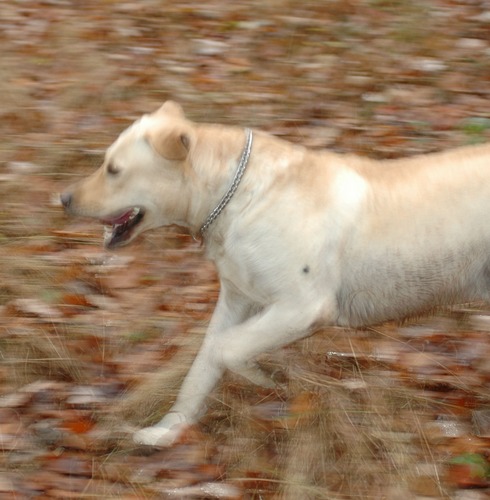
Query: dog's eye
(112, 169)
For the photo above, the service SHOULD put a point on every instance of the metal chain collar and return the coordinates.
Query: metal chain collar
(234, 185)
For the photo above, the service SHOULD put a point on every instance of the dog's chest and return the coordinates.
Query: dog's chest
(245, 275)
(258, 267)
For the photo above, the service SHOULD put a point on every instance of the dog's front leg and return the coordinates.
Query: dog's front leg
(233, 341)
(232, 308)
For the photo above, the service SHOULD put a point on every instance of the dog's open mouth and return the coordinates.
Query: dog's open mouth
(120, 227)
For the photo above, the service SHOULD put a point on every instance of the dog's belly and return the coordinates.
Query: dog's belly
(393, 286)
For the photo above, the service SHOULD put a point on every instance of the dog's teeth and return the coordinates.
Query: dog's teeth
(134, 213)
(107, 233)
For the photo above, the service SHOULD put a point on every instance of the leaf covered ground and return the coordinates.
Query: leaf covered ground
(93, 344)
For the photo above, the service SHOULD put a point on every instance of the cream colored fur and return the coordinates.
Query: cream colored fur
(309, 238)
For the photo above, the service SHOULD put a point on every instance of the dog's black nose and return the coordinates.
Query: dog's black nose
(65, 199)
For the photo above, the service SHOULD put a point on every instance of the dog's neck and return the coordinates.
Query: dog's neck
(242, 165)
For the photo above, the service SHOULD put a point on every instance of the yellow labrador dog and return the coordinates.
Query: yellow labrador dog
(300, 238)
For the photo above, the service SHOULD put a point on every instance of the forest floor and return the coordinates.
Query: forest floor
(93, 344)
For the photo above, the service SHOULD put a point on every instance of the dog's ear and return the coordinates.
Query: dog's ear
(172, 145)
(171, 108)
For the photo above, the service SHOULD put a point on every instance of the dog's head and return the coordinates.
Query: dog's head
(143, 181)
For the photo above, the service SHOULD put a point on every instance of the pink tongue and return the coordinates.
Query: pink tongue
(120, 219)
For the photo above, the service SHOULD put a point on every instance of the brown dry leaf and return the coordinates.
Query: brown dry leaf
(79, 425)
(427, 482)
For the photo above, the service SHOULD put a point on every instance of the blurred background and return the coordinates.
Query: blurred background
(93, 344)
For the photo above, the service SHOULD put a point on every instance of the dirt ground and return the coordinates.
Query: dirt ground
(93, 344)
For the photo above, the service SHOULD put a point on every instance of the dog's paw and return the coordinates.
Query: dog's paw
(163, 434)
(158, 435)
